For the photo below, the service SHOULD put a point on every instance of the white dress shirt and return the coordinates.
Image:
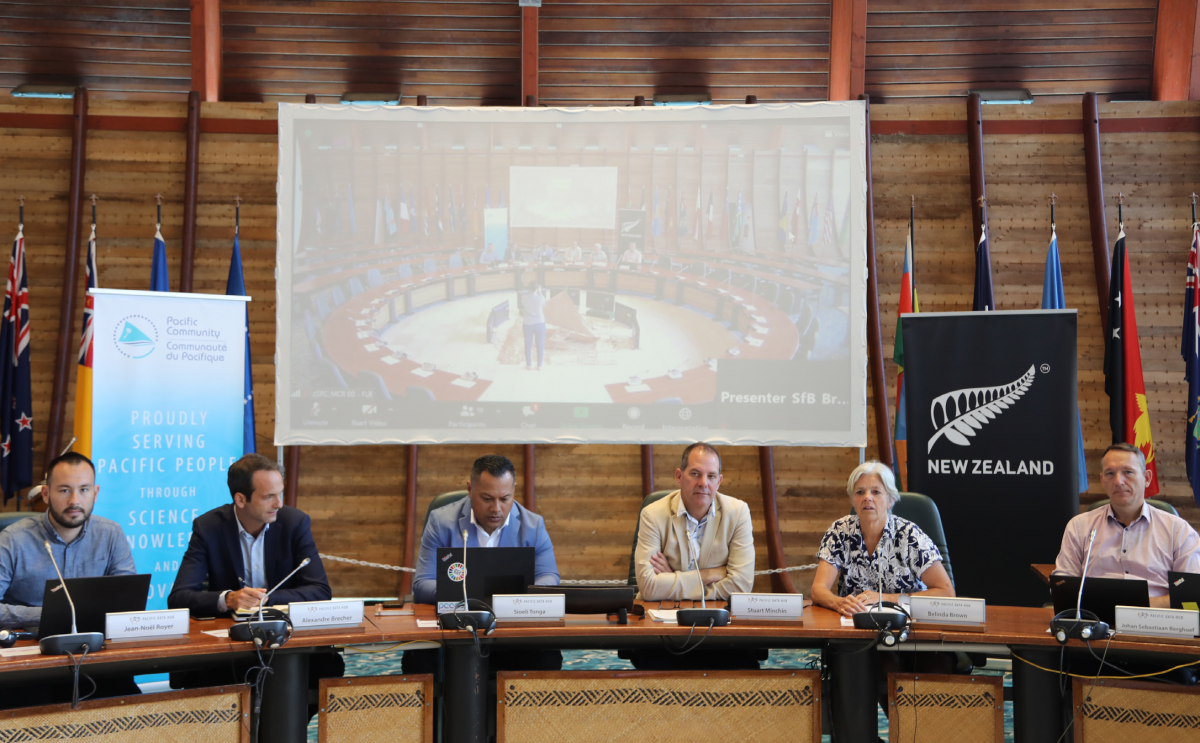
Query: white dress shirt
(252, 560)
(695, 529)
(485, 539)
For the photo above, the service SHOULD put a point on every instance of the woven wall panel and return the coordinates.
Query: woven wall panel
(945, 709)
(582, 707)
(378, 709)
(1123, 711)
(204, 716)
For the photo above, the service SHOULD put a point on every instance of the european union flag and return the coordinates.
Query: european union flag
(158, 265)
(1053, 298)
(16, 399)
(236, 286)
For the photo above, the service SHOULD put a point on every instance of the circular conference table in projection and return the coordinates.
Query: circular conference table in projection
(617, 334)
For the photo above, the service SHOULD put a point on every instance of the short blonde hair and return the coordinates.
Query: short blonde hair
(880, 470)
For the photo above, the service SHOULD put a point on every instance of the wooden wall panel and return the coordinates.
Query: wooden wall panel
(605, 53)
(457, 53)
(119, 49)
(590, 494)
(942, 48)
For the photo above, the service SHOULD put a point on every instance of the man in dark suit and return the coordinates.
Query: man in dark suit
(240, 551)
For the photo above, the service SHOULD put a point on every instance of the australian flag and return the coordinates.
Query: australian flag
(1191, 361)
(16, 400)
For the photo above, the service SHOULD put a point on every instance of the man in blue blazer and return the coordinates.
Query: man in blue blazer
(240, 551)
(491, 518)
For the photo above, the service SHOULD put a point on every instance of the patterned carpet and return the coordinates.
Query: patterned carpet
(388, 664)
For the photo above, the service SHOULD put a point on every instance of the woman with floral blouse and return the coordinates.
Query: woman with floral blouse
(857, 547)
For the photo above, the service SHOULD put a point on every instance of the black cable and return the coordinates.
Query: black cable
(77, 663)
(1088, 697)
(684, 649)
(261, 672)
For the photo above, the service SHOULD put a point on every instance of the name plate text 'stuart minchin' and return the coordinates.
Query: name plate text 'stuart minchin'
(767, 605)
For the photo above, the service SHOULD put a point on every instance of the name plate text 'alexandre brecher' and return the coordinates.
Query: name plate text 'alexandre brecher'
(336, 613)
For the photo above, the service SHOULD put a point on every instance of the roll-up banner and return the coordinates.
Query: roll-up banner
(992, 417)
(167, 417)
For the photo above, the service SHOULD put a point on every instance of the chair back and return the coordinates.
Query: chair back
(922, 511)
(374, 278)
(373, 381)
(1161, 505)
(444, 499)
(8, 518)
(654, 497)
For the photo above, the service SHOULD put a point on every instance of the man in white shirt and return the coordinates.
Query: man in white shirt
(632, 256)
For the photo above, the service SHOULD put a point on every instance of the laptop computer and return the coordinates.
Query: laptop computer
(94, 597)
(1184, 590)
(1101, 596)
(490, 570)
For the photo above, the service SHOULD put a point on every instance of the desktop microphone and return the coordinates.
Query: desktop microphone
(467, 619)
(76, 641)
(885, 615)
(703, 617)
(1081, 627)
(269, 632)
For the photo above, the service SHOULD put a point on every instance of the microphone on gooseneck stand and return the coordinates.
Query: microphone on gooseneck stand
(1085, 625)
(272, 632)
(467, 619)
(703, 617)
(76, 641)
(889, 618)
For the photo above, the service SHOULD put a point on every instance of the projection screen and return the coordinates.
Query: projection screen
(600, 275)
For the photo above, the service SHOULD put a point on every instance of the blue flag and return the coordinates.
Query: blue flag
(1191, 360)
(158, 266)
(1053, 298)
(236, 286)
(16, 399)
(984, 299)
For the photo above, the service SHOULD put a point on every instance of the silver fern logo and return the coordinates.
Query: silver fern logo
(959, 414)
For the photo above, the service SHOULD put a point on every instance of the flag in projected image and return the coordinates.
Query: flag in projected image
(708, 228)
(782, 234)
(814, 225)
(656, 225)
(698, 217)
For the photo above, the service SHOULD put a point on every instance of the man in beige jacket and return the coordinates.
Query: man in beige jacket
(695, 527)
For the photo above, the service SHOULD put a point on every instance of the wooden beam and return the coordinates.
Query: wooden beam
(647, 469)
(1174, 45)
(847, 49)
(780, 582)
(410, 522)
(529, 56)
(191, 187)
(65, 354)
(530, 471)
(975, 160)
(841, 23)
(1095, 192)
(206, 49)
(879, 393)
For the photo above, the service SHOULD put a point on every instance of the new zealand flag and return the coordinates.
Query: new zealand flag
(16, 402)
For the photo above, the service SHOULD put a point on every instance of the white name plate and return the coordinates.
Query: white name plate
(767, 605)
(942, 610)
(1142, 620)
(129, 625)
(538, 607)
(336, 613)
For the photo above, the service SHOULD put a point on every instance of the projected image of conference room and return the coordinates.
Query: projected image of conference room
(529, 267)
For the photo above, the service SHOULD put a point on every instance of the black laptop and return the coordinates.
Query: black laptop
(1101, 596)
(94, 597)
(1184, 590)
(490, 570)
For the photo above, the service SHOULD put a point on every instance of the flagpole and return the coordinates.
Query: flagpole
(1053, 201)
(237, 215)
(1193, 207)
(912, 237)
(158, 218)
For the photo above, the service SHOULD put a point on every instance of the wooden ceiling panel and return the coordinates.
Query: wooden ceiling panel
(606, 53)
(457, 53)
(939, 49)
(123, 49)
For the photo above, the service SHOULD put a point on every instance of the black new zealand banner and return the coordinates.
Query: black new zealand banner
(992, 417)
